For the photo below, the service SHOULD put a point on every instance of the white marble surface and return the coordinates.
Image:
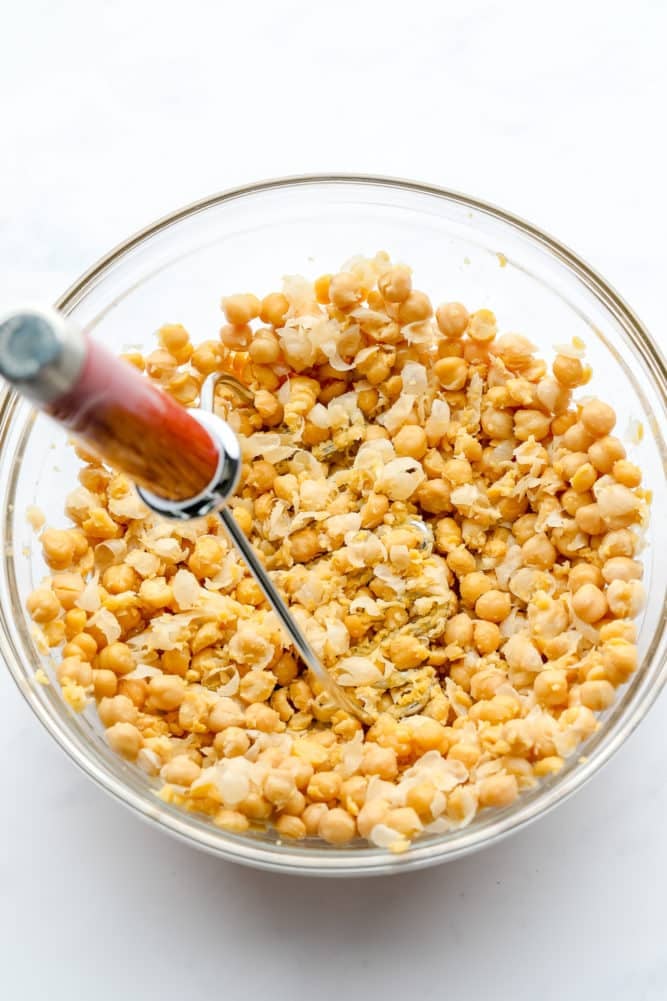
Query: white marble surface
(112, 114)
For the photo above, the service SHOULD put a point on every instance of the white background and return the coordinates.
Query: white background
(113, 113)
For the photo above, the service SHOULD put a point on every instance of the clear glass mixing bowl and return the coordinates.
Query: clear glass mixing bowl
(460, 248)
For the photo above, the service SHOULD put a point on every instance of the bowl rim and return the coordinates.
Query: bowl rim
(333, 862)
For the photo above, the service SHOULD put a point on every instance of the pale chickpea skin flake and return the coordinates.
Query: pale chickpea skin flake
(450, 527)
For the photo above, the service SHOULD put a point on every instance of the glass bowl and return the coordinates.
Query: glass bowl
(460, 248)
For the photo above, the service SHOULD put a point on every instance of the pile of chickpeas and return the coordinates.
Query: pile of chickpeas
(369, 422)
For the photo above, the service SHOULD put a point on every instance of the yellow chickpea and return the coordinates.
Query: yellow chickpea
(577, 438)
(451, 372)
(551, 687)
(289, 826)
(207, 357)
(569, 371)
(337, 827)
(620, 658)
(584, 573)
(117, 657)
(407, 652)
(416, 308)
(180, 771)
(434, 496)
(395, 285)
(597, 695)
(273, 309)
(411, 441)
(305, 545)
(493, 605)
(155, 593)
(105, 684)
(116, 709)
(626, 473)
(538, 551)
(605, 452)
(482, 326)
(257, 686)
(117, 579)
(589, 603)
(324, 787)
(167, 691)
(473, 586)
(589, 519)
(621, 568)
(380, 761)
(598, 418)
(531, 423)
(58, 548)
(43, 605)
(231, 742)
(452, 319)
(232, 821)
(125, 739)
(498, 790)
(487, 637)
(345, 291)
(497, 424)
(74, 670)
(241, 309)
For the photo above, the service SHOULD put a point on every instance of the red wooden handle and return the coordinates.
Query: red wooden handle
(135, 427)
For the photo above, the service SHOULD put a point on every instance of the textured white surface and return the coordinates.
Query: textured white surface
(115, 113)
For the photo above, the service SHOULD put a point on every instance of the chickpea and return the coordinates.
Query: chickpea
(498, 790)
(155, 593)
(257, 686)
(125, 739)
(74, 670)
(487, 637)
(605, 452)
(232, 821)
(117, 657)
(117, 579)
(241, 309)
(619, 658)
(584, 573)
(473, 586)
(461, 562)
(598, 418)
(531, 423)
(43, 605)
(416, 308)
(429, 735)
(231, 742)
(434, 496)
(407, 652)
(344, 291)
(58, 548)
(380, 761)
(569, 371)
(167, 691)
(625, 598)
(589, 519)
(589, 603)
(374, 510)
(243, 519)
(207, 357)
(493, 605)
(395, 285)
(597, 695)
(411, 441)
(482, 326)
(261, 717)
(626, 473)
(305, 545)
(324, 787)
(577, 438)
(459, 630)
(180, 771)
(538, 551)
(497, 424)
(290, 827)
(337, 827)
(116, 709)
(268, 407)
(273, 309)
(551, 687)
(452, 319)
(621, 568)
(584, 478)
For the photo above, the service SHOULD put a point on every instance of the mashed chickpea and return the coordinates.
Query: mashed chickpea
(452, 530)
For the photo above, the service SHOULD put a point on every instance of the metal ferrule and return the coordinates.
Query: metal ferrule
(42, 353)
